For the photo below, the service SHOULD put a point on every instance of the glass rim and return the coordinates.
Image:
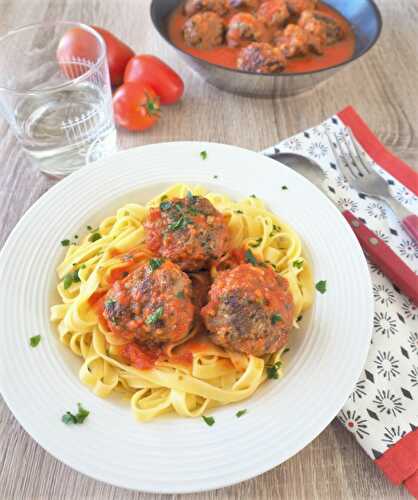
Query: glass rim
(71, 81)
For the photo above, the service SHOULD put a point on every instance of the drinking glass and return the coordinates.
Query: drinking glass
(56, 96)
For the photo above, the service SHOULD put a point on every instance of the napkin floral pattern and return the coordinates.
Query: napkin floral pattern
(383, 406)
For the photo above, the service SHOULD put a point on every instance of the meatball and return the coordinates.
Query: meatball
(250, 310)
(295, 41)
(192, 7)
(322, 26)
(152, 306)
(243, 29)
(261, 58)
(243, 4)
(189, 231)
(273, 13)
(204, 30)
(296, 7)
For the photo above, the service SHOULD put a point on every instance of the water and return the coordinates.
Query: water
(62, 130)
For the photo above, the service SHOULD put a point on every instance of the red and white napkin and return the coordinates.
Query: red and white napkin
(382, 411)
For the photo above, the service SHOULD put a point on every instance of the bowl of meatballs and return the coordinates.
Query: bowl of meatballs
(267, 48)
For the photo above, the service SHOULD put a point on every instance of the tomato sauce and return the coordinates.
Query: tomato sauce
(227, 56)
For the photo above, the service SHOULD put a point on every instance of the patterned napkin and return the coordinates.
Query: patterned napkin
(382, 411)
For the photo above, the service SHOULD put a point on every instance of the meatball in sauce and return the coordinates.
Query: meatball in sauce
(296, 7)
(250, 310)
(204, 30)
(273, 13)
(244, 28)
(189, 231)
(152, 306)
(261, 58)
(321, 26)
(192, 7)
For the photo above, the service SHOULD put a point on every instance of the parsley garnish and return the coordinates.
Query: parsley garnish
(250, 258)
(76, 236)
(181, 223)
(155, 263)
(239, 212)
(163, 198)
(94, 237)
(203, 155)
(34, 341)
(190, 196)
(298, 264)
(273, 371)
(284, 188)
(165, 206)
(275, 318)
(321, 286)
(65, 243)
(240, 413)
(155, 316)
(180, 295)
(215, 176)
(300, 318)
(71, 278)
(253, 196)
(286, 350)
(124, 274)
(209, 420)
(69, 418)
(89, 228)
(256, 243)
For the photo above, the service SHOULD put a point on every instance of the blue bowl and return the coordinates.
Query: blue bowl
(363, 15)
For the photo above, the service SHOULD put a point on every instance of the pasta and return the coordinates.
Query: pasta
(215, 376)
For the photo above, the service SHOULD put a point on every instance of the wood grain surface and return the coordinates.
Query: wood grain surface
(382, 86)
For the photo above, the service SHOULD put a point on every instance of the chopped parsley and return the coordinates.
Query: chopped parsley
(155, 263)
(253, 196)
(284, 188)
(275, 318)
(250, 258)
(286, 350)
(300, 318)
(155, 316)
(203, 155)
(208, 420)
(181, 223)
(34, 341)
(71, 278)
(190, 196)
(215, 176)
(321, 286)
(163, 198)
(124, 274)
(239, 212)
(65, 243)
(298, 264)
(110, 303)
(94, 237)
(89, 228)
(180, 295)
(240, 413)
(273, 371)
(69, 418)
(256, 243)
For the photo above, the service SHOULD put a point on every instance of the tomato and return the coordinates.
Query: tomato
(118, 55)
(136, 106)
(74, 45)
(152, 71)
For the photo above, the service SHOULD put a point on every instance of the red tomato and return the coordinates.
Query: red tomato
(136, 106)
(150, 70)
(74, 45)
(118, 55)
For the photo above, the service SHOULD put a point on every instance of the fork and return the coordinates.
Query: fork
(360, 175)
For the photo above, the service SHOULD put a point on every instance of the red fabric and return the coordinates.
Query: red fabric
(400, 462)
(411, 484)
(375, 149)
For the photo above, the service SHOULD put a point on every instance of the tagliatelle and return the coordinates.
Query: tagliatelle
(215, 376)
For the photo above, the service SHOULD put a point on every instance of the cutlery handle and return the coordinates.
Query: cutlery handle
(410, 224)
(385, 258)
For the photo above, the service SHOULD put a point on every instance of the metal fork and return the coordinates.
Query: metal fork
(356, 169)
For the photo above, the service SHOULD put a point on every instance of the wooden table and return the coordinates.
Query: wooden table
(383, 88)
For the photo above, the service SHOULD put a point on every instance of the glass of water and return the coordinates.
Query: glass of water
(57, 96)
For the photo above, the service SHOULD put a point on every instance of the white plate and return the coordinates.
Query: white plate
(173, 455)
